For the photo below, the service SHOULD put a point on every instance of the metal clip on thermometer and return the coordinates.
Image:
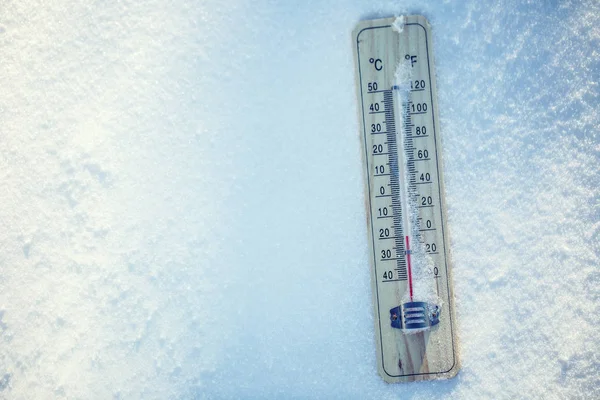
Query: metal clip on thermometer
(412, 290)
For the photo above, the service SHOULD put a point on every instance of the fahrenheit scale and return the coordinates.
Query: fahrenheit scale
(412, 289)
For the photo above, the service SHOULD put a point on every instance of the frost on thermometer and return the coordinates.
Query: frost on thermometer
(412, 288)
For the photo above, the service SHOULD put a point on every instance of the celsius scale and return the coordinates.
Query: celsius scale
(412, 290)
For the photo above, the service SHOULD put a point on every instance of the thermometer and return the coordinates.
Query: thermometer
(412, 289)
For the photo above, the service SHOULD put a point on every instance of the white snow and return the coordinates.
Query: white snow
(182, 210)
(398, 24)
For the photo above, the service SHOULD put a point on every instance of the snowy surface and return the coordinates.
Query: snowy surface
(182, 210)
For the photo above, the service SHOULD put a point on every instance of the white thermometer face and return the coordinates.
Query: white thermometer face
(412, 291)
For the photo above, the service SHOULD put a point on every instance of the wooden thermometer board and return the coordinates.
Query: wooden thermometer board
(412, 290)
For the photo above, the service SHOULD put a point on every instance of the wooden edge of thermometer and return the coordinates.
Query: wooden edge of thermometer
(415, 327)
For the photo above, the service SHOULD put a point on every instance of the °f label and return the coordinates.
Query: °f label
(410, 263)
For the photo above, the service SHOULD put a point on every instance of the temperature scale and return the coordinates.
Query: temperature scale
(412, 288)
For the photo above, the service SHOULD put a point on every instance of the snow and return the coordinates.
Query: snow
(182, 213)
(398, 24)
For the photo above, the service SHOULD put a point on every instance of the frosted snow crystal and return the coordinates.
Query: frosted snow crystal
(398, 24)
(182, 208)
